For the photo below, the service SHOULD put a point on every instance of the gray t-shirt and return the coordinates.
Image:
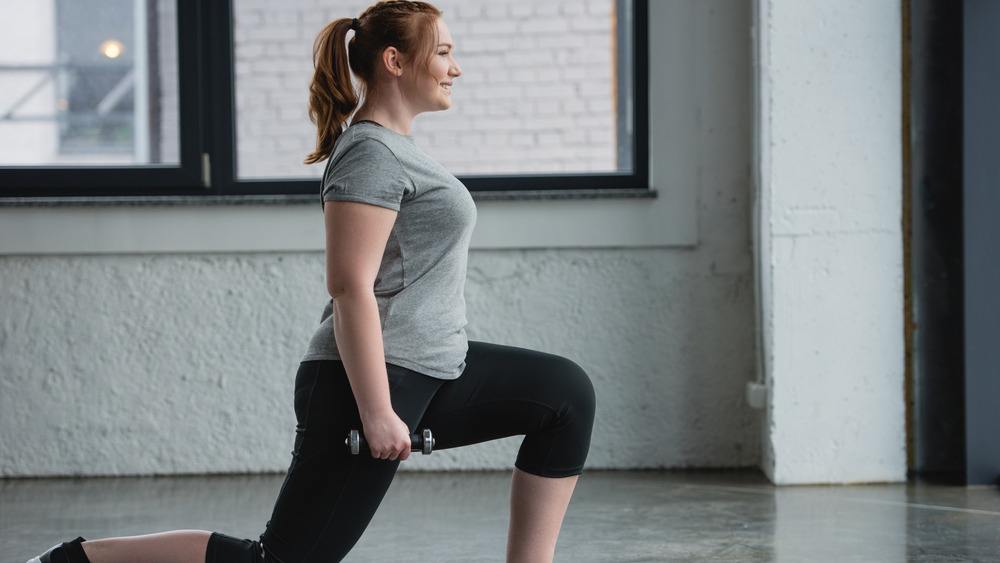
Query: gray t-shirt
(420, 287)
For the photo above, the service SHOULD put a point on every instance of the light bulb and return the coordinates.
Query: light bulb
(111, 48)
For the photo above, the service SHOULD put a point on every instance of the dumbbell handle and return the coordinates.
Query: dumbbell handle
(422, 442)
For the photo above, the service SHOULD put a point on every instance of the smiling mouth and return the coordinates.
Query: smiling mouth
(446, 86)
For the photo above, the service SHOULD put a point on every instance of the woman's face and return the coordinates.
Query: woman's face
(431, 87)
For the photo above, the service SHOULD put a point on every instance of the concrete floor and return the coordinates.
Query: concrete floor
(615, 516)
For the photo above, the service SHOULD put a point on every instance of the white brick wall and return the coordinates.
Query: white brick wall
(537, 93)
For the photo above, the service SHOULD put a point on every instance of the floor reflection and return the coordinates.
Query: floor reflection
(615, 516)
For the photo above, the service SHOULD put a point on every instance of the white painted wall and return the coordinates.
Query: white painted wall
(115, 360)
(118, 358)
(829, 240)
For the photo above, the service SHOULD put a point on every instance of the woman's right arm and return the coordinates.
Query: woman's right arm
(356, 235)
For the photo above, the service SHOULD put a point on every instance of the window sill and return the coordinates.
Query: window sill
(507, 220)
(547, 195)
(303, 199)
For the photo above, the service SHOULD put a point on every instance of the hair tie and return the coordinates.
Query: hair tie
(354, 24)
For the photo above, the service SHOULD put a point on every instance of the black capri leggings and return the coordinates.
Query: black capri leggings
(329, 496)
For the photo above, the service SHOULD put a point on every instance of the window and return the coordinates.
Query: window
(166, 98)
(93, 97)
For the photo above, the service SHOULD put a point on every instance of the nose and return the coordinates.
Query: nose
(455, 70)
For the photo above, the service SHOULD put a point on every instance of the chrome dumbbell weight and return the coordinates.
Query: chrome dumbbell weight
(422, 442)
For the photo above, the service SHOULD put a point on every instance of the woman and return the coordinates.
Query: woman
(391, 355)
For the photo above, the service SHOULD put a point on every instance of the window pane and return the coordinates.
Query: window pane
(541, 90)
(88, 82)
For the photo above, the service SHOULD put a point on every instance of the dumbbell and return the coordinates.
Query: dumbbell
(422, 442)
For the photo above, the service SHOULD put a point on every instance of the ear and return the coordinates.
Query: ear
(392, 61)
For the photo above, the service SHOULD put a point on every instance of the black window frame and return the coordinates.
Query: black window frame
(207, 165)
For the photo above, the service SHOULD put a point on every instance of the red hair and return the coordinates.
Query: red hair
(410, 27)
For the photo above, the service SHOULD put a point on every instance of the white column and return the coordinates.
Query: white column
(828, 239)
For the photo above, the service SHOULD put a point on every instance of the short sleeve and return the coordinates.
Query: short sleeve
(366, 171)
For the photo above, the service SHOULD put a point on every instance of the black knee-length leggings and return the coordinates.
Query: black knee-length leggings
(329, 496)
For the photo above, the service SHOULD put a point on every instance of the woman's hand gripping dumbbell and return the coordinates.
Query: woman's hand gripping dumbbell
(422, 442)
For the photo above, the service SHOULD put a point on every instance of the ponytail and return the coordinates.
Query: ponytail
(332, 98)
(408, 25)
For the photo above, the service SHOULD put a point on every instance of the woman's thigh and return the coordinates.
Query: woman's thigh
(329, 496)
(507, 391)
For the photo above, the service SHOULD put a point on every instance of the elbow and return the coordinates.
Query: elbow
(336, 290)
(340, 290)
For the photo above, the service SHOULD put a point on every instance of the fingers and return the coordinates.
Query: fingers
(402, 448)
(389, 440)
(392, 452)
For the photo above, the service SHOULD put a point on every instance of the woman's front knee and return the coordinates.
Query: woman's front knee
(576, 390)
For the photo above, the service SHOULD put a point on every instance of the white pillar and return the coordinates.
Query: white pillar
(829, 240)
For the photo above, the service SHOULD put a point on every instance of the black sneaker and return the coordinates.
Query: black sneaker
(60, 553)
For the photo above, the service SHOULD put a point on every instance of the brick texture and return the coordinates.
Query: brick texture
(537, 93)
